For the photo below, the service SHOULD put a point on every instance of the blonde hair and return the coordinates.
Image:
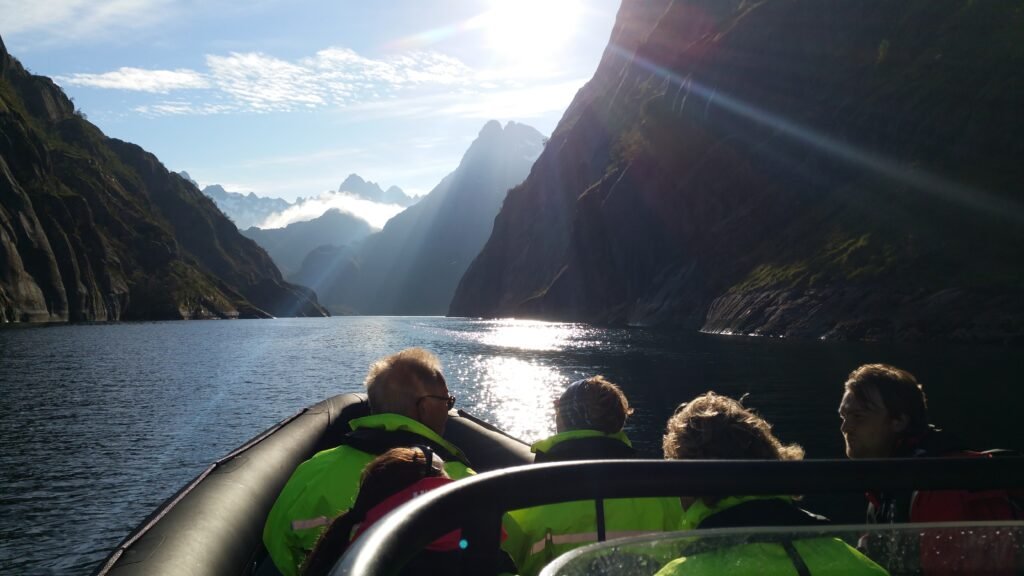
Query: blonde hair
(717, 427)
(593, 404)
(393, 381)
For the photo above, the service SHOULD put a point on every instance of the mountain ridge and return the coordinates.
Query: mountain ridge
(95, 229)
(290, 245)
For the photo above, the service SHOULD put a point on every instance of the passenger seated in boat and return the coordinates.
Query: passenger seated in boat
(589, 417)
(713, 427)
(884, 414)
(389, 481)
(409, 403)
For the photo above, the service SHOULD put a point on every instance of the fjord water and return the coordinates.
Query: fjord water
(100, 423)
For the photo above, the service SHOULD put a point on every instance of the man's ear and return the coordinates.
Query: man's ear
(900, 423)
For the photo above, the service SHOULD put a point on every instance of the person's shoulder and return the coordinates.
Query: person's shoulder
(673, 568)
(331, 459)
(829, 554)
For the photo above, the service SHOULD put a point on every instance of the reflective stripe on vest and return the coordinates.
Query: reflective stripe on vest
(581, 537)
(310, 523)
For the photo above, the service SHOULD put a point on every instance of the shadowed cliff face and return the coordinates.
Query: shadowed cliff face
(93, 228)
(786, 167)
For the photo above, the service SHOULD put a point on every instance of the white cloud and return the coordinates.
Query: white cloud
(78, 19)
(257, 82)
(375, 213)
(126, 78)
(264, 83)
(335, 76)
(182, 108)
(414, 84)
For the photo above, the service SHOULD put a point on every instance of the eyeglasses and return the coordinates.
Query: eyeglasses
(448, 400)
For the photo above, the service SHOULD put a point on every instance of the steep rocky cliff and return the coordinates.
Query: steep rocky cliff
(836, 169)
(93, 228)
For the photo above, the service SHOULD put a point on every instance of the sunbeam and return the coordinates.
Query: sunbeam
(967, 196)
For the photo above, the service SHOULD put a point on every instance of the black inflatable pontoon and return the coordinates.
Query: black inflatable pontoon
(214, 525)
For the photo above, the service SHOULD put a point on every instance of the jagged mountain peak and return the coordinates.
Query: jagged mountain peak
(245, 209)
(355, 184)
(491, 128)
(188, 178)
(515, 138)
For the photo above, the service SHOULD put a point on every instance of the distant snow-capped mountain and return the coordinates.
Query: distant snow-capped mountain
(245, 210)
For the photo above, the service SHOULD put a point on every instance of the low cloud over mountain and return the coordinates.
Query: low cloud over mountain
(374, 213)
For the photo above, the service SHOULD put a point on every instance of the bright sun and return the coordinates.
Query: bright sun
(530, 32)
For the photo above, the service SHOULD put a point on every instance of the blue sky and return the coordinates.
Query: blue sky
(286, 98)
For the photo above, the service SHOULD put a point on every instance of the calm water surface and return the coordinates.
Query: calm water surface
(99, 424)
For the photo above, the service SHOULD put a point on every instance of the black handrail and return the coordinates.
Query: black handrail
(476, 504)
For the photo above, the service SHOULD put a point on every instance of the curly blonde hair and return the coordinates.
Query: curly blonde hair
(714, 427)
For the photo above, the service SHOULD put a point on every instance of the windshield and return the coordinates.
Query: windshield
(974, 548)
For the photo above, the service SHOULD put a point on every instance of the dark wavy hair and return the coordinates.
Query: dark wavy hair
(901, 393)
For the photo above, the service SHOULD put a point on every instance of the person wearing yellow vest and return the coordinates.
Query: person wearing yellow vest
(589, 417)
(713, 427)
(409, 403)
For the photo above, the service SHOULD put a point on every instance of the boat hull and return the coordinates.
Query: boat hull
(214, 525)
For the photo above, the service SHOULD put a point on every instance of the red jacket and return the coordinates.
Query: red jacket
(946, 551)
(448, 542)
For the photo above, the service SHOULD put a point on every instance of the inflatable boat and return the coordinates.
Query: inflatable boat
(213, 526)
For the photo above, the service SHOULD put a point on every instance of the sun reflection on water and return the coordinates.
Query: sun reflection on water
(515, 380)
(530, 334)
(519, 394)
